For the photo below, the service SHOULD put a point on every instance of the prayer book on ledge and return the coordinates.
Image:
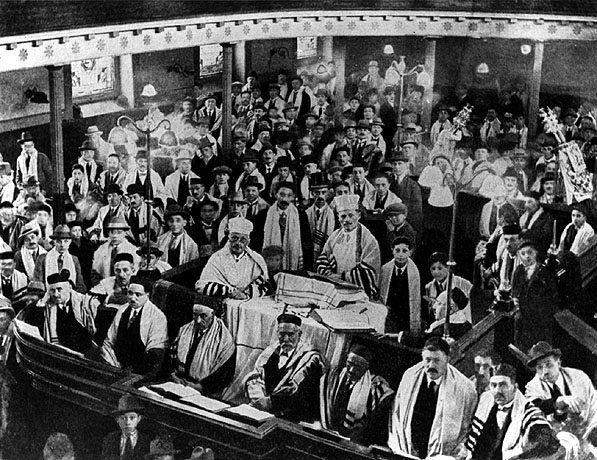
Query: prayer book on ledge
(248, 414)
(342, 321)
(174, 390)
(322, 432)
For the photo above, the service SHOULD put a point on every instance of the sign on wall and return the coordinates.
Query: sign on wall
(212, 59)
(93, 77)
(306, 47)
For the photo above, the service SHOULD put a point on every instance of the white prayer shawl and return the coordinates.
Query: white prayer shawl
(157, 185)
(320, 229)
(173, 181)
(223, 268)
(188, 248)
(118, 180)
(581, 240)
(94, 175)
(24, 172)
(8, 192)
(414, 290)
(580, 386)
(368, 187)
(28, 261)
(436, 128)
(98, 224)
(457, 317)
(369, 200)
(153, 330)
(456, 401)
(82, 307)
(292, 258)
(18, 281)
(440, 195)
(51, 265)
(457, 282)
(83, 188)
(523, 416)
(102, 257)
(216, 346)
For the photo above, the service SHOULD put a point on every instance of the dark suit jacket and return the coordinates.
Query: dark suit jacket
(540, 232)
(111, 446)
(410, 194)
(39, 273)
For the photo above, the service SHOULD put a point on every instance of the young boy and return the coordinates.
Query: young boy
(359, 185)
(400, 287)
(397, 226)
(438, 265)
(128, 442)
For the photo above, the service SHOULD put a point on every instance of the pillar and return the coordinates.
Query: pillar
(227, 97)
(339, 58)
(127, 83)
(240, 61)
(327, 48)
(535, 88)
(197, 66)
(56, 80)
(68, 91)
(430, 46)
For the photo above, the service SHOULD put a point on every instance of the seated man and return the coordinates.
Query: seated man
(235, 271)
(502, 420)
(12, 281)
(113, 290)
(58, 258)
(204, 353)
(351, 252)
(433, 407)
(177, 246)
(66, 317)
(354, 402)
(138, 336)
(565, 395)
(286, 376)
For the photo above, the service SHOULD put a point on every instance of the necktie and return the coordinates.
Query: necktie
(441, 127)
(509, 267)
(175, 242)
(132, 318)
(294, 96)
(487, 130)
(7, 290)
(88, 168)
(250, 211)
(128, 453)
(134, 222)
(27, 161)
(318, 214)
(439, 287)
(60, 262)
(555, 391)
(320, 111)
(433, 389)
(283, 218)
(112, 256)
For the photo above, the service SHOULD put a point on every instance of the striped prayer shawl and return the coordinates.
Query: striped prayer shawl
(524, 415)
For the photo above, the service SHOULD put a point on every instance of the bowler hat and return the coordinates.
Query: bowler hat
(153, 249)
(211, 96)
(128, 403)
(547, 178)
(222, 170)
(397, 156)
(91, 130)
(283, 162)
(363, 124)
(117, 223)
(135, 189)
(176, 210)
(251, 156)
(252, 181)
(318, 180)
(542, 350)
(204, 142)
(289, 106)
(377, 122)
(61, 232)
(308, 159)
(114, 188)
(25, 137)
(87, 145)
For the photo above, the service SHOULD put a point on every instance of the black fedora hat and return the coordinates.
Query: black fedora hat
(26, 136)
(542, 350)
(128, 403)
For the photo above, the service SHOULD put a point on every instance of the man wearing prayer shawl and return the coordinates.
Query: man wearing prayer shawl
(288, 227)
(565, 395)
(433, 407)
(235, 271)
(204, 353)
(286, 376)
(320, 215)
(138, 336)
(354, 402)
(351, 252)
(65, 317)
(502, 420)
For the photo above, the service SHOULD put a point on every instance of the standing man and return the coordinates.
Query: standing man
(178, 247)
(434, 405)
(288, 227)
(136, 216)
(87, 159)
(300, 97)
(351, 253)
(114, 208)
(213, 114)
(138, 337)
(177, 184)
(204, 353)
(32, 163)
(320, 215)
(26, 257)
(286, 377)
(114, 174)
(407, 190)
(354, 401)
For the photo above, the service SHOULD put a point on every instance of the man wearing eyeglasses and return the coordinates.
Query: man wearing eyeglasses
(235, 271)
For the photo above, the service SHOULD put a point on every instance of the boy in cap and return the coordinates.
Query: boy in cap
(235, 271)
(58, 258)
(213, 114)
(128, 442)
(178, 247)
(205, 161)
(138, 337)
(351, 253)
(286, 377)
(397, 226)
(249, 162)
(220, 188)
(150, 259)
(442, 123)
(204, 231)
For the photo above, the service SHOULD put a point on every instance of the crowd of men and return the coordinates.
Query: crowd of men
(348, 194)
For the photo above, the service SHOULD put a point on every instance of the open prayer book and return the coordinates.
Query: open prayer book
(342, 320)
(27, 329)
(186, 395)
(249, 414)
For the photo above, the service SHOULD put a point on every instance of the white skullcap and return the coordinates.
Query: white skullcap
(240, 225)
(346, 203)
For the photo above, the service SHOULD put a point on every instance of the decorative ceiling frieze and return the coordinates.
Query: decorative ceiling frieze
(55, 48)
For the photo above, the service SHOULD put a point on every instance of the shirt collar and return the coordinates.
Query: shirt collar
(437, 381)
(506, 406)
